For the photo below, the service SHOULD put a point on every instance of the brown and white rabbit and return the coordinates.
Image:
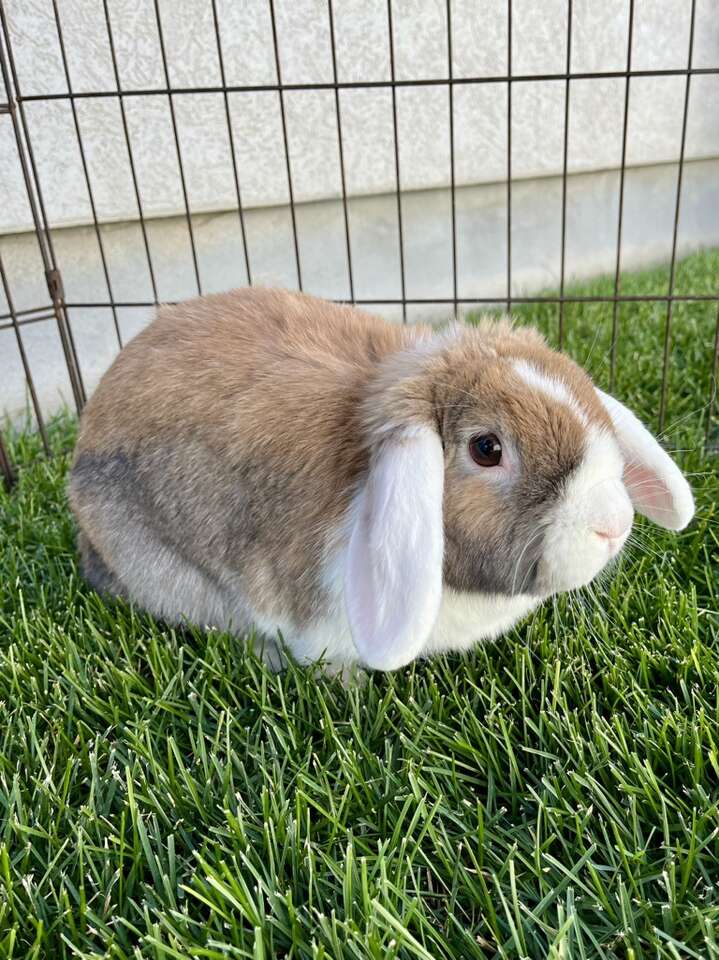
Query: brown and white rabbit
(373, 492)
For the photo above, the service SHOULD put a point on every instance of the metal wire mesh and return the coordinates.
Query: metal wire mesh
(58, 309)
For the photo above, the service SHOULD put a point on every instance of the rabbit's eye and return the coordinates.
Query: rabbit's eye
(485, 449)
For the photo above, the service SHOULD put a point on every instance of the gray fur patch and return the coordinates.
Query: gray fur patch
(203, 522)
(507, 565)
(95, 570)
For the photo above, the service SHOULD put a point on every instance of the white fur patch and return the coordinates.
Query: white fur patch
(591, 522)
(466, 618)
(550, 386)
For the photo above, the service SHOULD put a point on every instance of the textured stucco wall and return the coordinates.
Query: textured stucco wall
(599, 37)
(592, 206)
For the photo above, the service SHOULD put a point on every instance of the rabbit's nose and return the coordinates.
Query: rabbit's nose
(610, 513)
(613, 536)
(612, 531)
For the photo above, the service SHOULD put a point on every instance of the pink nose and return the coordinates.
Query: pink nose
(611, 533)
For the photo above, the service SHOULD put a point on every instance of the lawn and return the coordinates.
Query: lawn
(553, 794)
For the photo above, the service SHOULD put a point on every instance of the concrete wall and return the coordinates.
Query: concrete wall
(479, 35)
(479, 39)
(592, 202)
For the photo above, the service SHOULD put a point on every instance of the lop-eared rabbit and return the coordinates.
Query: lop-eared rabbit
(368, 492)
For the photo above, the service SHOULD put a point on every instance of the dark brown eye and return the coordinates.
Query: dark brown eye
(485, 449)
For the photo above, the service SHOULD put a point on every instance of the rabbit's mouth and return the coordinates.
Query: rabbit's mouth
(574, 558)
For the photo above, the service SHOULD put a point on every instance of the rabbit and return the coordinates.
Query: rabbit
(361, 492)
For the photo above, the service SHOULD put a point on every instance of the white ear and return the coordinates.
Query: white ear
(655, 484)
(393, 579)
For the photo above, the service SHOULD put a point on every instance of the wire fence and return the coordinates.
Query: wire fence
(57, 308)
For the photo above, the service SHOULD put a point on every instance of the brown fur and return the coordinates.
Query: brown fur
(235, 429)
(259, 388)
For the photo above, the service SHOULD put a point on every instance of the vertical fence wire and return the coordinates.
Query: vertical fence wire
(231, 139)
(450, 93)
(288, 166)
(85, 171)
(23, 358)
(560, 330)
(130, 156)
(620, 212)
(178, 151)
(398, 181)
(8, 474)
(677, 209)
(713, 384)
(343, 182)
(509, 156)
(26, 157)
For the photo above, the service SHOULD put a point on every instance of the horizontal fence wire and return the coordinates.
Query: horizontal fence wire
(45, 308)
(32, 316)
(58, 309)
(373, 84)
(498, 299)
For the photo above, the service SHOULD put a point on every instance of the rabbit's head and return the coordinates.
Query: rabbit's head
(496, 467)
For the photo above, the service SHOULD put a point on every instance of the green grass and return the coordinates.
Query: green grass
(554, 794)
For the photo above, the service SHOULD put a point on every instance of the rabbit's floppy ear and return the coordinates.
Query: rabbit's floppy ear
(655, 484)
(393, 579)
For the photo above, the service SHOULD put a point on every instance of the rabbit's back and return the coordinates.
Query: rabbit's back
(219, 454)
(253, 361)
